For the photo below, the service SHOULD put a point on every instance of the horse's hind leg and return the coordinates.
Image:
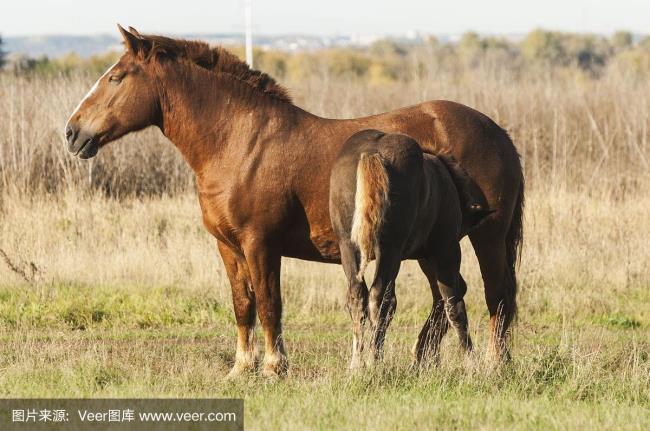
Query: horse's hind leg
(357, 301)
(452, 289)
(436, 325)
(382, 302)
(500, 289)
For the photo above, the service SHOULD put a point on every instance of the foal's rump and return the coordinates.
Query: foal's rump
(379, 206)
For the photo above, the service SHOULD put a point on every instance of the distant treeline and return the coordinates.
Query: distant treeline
(386, 61)
(2, 55)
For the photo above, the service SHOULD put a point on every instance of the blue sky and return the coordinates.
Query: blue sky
(23, 17)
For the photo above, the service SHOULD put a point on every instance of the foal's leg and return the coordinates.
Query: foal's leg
(436, 325)
(453, 288)
(382, 302)
(243, 300)
(264, 266)
(357, 302)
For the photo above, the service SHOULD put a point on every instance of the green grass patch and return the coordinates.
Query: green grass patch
(167, 341)
(620, 321)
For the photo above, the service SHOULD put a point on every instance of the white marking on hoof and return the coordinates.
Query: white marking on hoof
(275, 365)
(239, 370)
(356, 363)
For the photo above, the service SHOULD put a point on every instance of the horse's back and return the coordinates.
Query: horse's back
(479, 144)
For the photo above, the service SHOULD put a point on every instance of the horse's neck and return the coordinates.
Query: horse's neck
(211, 118)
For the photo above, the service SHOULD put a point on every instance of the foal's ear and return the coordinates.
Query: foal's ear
(132, 40)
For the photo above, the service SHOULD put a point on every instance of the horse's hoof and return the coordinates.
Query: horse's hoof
(275, 368)
(272, 373)
(234, 374)
(239, 370)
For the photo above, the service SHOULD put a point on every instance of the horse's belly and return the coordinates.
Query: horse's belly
(327, 244)
(326, 251)
(316, 244)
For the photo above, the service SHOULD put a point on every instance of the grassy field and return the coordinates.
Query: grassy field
(141, 342)
(133, 302)
(124, 294)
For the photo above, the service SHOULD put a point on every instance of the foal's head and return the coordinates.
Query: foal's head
(124, 99)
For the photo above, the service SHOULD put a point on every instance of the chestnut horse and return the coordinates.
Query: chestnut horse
(262, 169)
(391, 202)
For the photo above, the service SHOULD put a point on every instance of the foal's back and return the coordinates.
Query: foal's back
(395, 166)
(421, 207)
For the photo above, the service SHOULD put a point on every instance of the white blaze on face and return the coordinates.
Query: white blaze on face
(90, 93)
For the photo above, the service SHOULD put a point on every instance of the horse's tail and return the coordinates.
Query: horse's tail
(514, 239)
(370, 204)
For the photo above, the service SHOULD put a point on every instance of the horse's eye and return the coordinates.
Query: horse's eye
(116, 79)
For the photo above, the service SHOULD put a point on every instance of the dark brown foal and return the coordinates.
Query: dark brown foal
(390, 202)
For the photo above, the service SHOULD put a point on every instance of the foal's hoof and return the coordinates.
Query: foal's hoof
(356, 363)
(424, 357)
(499, 356)
(373, 360)
(426, 362)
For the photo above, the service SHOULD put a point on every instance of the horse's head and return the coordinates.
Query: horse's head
(123, 100)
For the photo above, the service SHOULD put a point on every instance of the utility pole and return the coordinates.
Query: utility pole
(249, 32)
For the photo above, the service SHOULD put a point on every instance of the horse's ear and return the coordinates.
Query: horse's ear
(133, 42)
(134, 32)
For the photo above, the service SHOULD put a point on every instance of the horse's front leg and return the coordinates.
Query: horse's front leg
(243, 300)
(263, 258)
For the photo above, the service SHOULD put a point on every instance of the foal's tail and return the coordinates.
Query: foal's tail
(370, 204)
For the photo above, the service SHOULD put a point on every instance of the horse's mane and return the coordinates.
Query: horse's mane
(216, 59)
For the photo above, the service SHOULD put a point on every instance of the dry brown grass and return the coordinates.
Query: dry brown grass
(588, 254)
(33, 157)
(574, 132)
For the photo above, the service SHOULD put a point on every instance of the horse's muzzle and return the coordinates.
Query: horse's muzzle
(81, 143)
